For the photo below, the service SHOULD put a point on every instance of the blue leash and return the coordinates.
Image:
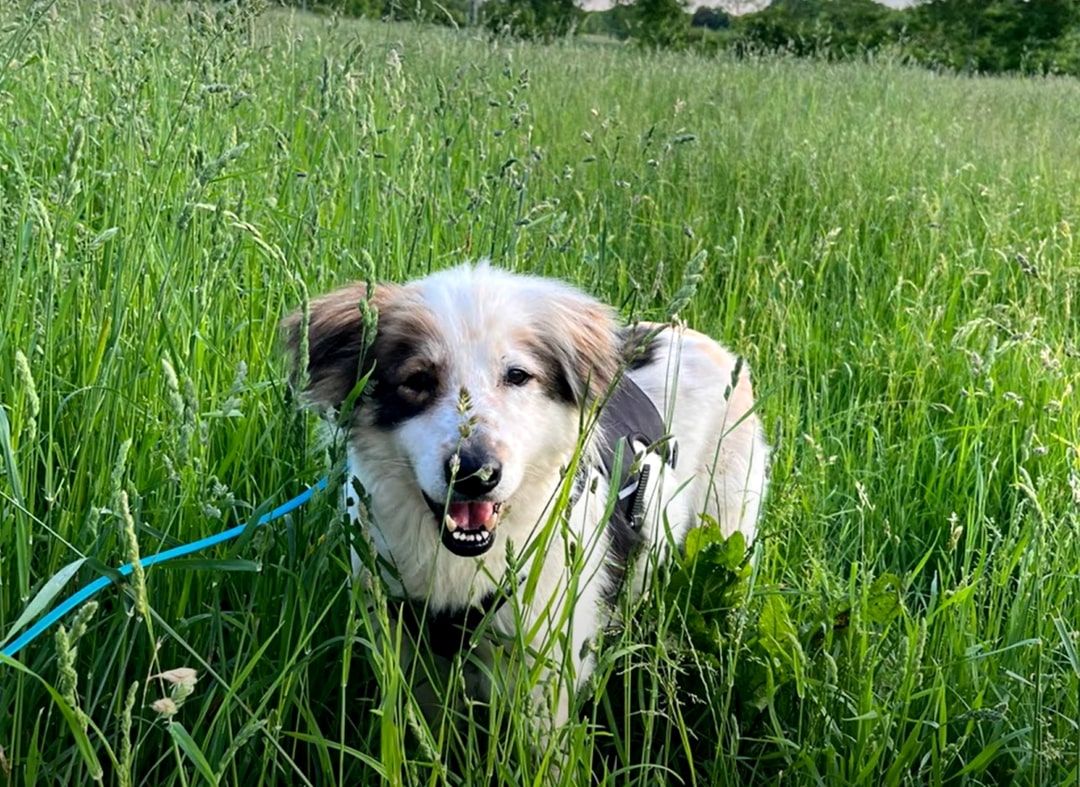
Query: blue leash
(89, 590)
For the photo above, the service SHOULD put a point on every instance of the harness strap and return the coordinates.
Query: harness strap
(630, 417)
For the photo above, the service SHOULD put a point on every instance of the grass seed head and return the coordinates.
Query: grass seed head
(127, 752)
(138, 576)
(164, 707)
(33, 403)
(182, 681)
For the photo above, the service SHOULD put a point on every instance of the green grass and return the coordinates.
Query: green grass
(893, 251)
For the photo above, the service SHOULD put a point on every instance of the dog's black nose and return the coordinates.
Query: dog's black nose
(477, 473)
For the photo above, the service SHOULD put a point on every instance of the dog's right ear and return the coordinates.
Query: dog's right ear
(337, 336)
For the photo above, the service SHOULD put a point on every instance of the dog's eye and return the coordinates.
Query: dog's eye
(517, 376)
(419, 384)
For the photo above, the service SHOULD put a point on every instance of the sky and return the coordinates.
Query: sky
(732, 6)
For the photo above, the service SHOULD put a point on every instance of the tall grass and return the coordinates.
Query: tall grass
(893, 250)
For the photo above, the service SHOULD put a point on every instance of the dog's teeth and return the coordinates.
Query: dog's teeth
(469, 536)
(495, 508)
(449, 522)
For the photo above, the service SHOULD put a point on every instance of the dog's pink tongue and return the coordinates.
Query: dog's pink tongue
(472, 516)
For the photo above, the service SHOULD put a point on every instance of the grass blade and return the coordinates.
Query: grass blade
(82, 740)
(44, 598)
(191, 749)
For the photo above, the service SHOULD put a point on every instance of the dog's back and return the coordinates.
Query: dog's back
(704, 394)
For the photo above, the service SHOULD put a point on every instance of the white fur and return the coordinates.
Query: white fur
(486, 320)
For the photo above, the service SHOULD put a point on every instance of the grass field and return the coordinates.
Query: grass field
(892, 250)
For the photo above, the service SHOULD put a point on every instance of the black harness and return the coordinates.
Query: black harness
(631, 419)
(628, 419)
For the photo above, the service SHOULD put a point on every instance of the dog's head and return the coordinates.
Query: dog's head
(479, 377)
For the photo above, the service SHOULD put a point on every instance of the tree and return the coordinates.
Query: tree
(543, 20)
(661, 23)
(996, 35)
(826, 28)
(618, 22)
(711, 18)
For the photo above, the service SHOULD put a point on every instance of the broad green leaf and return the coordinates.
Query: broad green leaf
(44, 598)
(700, 537)
(777, 632)
(883, 603)
(732, 551)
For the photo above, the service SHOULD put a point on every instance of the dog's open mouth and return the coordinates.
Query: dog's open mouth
(467, 526)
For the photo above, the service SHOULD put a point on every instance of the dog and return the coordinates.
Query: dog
(513, 438)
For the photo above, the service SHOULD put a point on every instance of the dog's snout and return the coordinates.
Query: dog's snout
(473, 473)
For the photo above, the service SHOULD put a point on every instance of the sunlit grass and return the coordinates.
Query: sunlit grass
(892, 250)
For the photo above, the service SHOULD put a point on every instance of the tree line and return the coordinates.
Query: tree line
(977, 36)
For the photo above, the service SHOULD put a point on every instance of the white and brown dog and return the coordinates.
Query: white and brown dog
(510, 420)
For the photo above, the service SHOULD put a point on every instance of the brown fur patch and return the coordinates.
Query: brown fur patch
(579, 344)
(409, 359)
(335, 341)
(593, 334)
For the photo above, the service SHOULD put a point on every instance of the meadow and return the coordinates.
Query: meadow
(891, 249)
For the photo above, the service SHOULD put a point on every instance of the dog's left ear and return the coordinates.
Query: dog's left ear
(337, 337)
(580, 337)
